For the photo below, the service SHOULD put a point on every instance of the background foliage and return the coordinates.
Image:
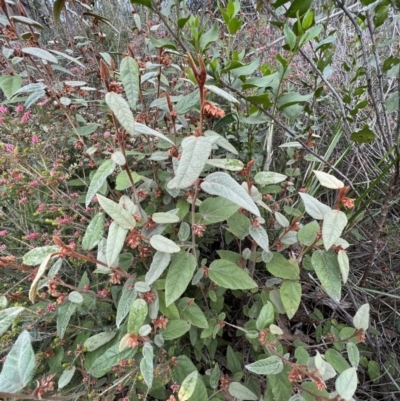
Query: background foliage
(199, 200)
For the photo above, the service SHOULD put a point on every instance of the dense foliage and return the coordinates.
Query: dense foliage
(182, 194)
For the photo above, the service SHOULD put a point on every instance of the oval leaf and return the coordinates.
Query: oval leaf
(94, 232)
(269, 366)
(40, 53)
(163, 244)
(314, 208)
(115, 242)
(327, 180)
(291, 296)
(96, 341)
(227, 274)
(129, 74)
(137, 316)
(334, 223)
(121, 216)
(222, 184)
(99, 178)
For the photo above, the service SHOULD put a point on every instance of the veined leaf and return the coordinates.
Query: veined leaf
(37, 255)
(146, 364)
(26, 21)
(268, 177)
(260, 236)
(222, 184)
(346, 383)
(314, 208)
(279, 266)
(327, 268)
(94, 232)
(291, 296)
(158, 265)
(175, 329)
(145, 130)
(268, 366)
(361, 318)
(229, 275)
(137, 316)
(129, 73)
(19, 365)
(115, 242)
(164, 218)
(40, 53)
(162, 244)
(214, 210)
(96, 341)
(334, 223)
(64, 313)
(266, 316)
(241, 392)
(188, 386)
(344, 265)
(10, 84)
(220, 92)
(179, 276)
(195, 152)
(120, 108)
(121, 216)
(66, 377)
(128, 296)
(7, 316)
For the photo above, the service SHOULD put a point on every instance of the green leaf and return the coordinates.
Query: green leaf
(96, 341)
(162, 244)
(175, 329)
(361, 318)
(298, 6)
(327, 268)
(222, 184)
(195, 152)
(239, 225)
(334, 358)
(10, 84)
(120, 108)
(289, 36)
(239, 391)
(64, 313)
(94, 232)
(226, 164)
(99, 178)
(191, 312)
(158, 265)
(57, 8)
(229, 275)
(179, 276)
(146, 364)
(146, 3)
(308, 233)
(75, 297)
(364, 135)
(26, 21)
(40, 53)
(209, 37)
(214, 210)
(220, 92)
(346, 383)
(145, 130)
(260, 236)
(188, 386)
(107, 360)
(266, 316)
(37, 255)
(374, 371)
(122, 180)
(353, 354)
(268, 177)
(121, 216)
(392, 102)
(279, 266)
(234, 25)
(164, 218)
(188, 102)
(66, 377)
(137, 316)
(7, 316)
(344, 265)
(128, 296)
(33, 98)
(314, 208)
(292, 98)
(129, 74)
(233, 362)
(19, 366)
(269, 366)
(334, 223)
(291, 296)
(115, 242)
(280, 385)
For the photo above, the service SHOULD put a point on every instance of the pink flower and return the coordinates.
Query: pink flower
(3, 110)
(9, 148)
(44, 102)
(3, 233)
(41, 208)
(35, 139)
(19, 108)
(72, 245)
(302, 190)
(2, 119)
(23, 200)
(33, 236)
(34, 183)
(25, 118)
